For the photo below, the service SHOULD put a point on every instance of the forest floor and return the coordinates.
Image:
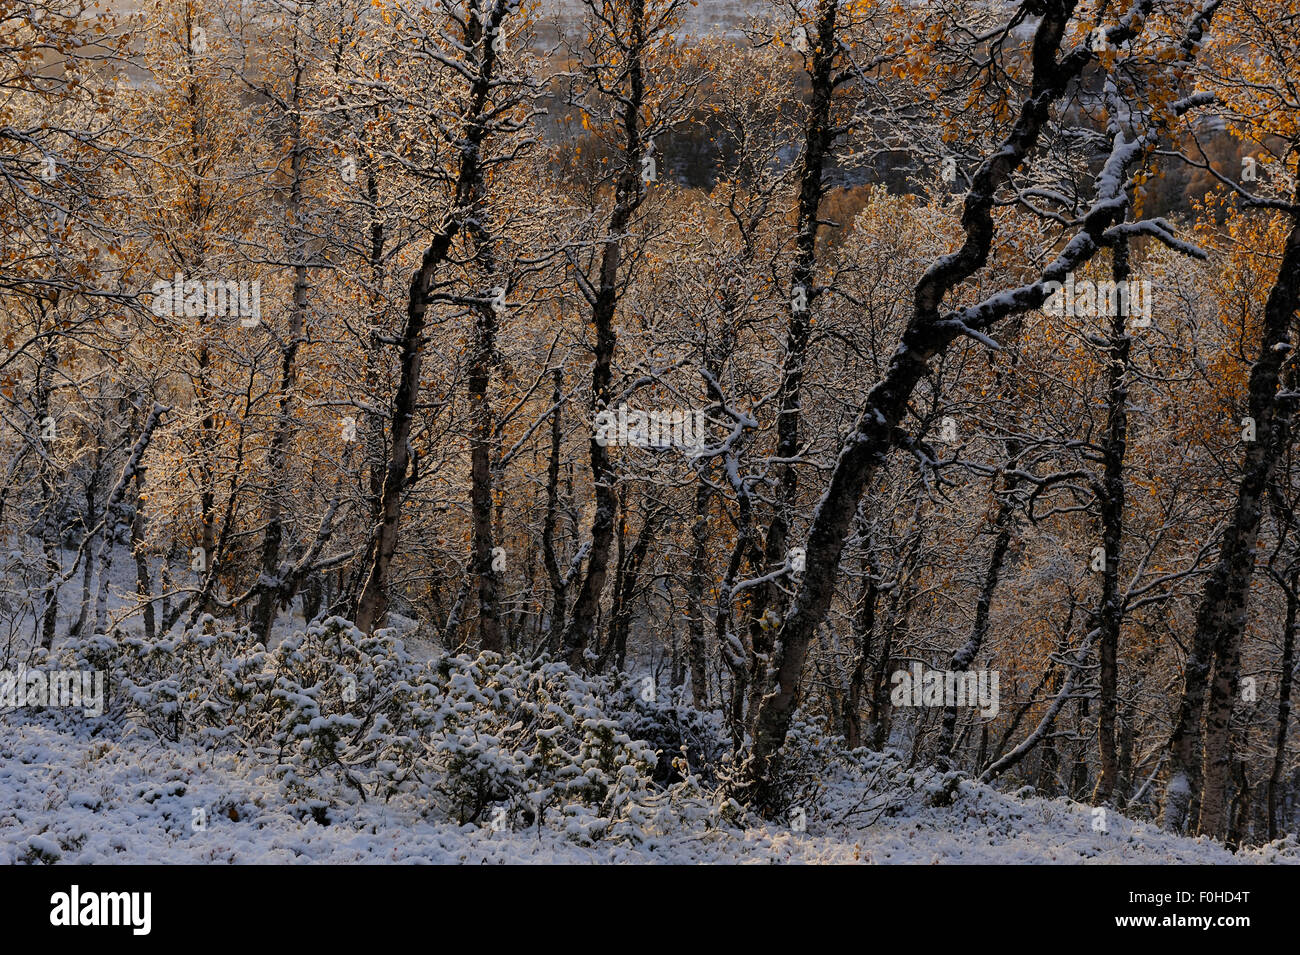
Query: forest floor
(93, 792)
(70, 795)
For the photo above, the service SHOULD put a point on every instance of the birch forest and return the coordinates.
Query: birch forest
(649, 430)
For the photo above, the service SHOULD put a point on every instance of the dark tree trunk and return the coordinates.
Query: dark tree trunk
(1109, 617)
(964, 658)
(695, 587)
(50, 529)
(372, 607)
(818, 137)
(482, 361)
(1221, 618)
(277, 590)
(628, 579)
(1283, 705)
(143, 579)
(627, 198)
(90, 520)
(864, 624)
(559, 586)
(876, 431)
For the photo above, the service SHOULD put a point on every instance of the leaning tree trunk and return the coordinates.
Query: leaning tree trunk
(966, 654)
(1221, 619)
(1004, 531)
(115, 512)
(1074, 676)
(372, 610)
(876, 431)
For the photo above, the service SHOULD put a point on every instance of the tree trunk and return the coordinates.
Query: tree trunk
(482, 360)
(143, 578)
(114, 513)
(559, 587)
(372, 608)
(90, 523)
(695, 597)
(1110, 612)
(965, 656)
(1283, 704)
(49, 500)
(627, 198)
(628, 579)
(275, 589)
(818, 136)
(876, 431)
(1221, 619)
(864, 625)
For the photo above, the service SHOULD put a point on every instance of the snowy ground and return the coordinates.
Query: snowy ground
(67, 796)
(80, 791)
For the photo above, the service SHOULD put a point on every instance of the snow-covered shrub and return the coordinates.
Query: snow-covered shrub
(478, 739)
(203, 683)
(687, 740)
(534, 737)
(345, 703)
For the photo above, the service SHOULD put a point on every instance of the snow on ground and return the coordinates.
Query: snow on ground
(69, 796)
(75, 791)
